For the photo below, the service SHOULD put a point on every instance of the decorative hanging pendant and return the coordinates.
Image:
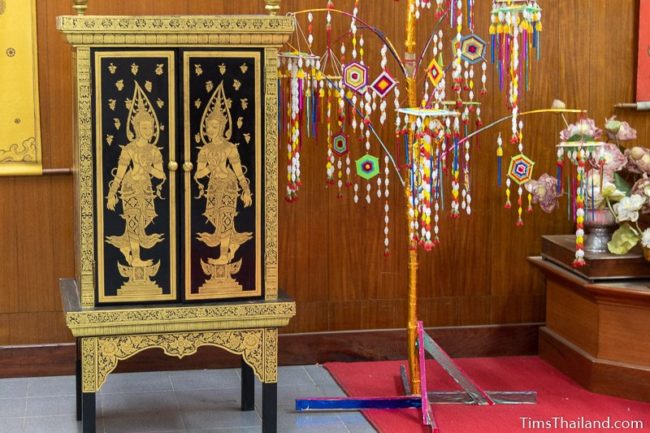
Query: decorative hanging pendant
(355, 76)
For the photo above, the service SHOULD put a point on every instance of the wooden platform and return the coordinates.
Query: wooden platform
(560, 249)
(597, 333)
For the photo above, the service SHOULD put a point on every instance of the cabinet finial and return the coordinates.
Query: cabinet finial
(272, 6)
(80, 6)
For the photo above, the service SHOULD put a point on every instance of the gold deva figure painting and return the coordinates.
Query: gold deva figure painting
(140, 164)
(219, 162)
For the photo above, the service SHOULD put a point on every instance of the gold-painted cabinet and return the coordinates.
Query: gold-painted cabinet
(176, 163)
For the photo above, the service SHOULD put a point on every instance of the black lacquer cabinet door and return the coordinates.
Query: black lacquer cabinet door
(134, 113)
(222, 142)
(178, 174)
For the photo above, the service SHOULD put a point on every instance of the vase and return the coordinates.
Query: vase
(599, 227)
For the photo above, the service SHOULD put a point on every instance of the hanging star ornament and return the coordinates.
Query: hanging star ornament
(355, 76)
(472, 49)
(383, 84)
(521, 169)
(340, 145)
(435, 73)
(368, 167)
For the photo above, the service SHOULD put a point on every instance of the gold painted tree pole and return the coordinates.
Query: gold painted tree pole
(411, 85)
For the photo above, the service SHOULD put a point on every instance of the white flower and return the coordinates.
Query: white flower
(610, 192)
(628, 208)
(645, 238)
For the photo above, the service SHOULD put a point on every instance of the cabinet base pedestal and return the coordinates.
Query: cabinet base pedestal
(106, 336)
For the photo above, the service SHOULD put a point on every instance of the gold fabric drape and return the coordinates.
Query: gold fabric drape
(20, 135)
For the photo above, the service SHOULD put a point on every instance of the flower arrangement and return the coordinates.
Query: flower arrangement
(601, 183)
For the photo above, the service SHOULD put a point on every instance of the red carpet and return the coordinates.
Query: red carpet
(562, 405)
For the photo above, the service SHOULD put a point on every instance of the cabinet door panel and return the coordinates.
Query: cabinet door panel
(135, 195)
(223, 182)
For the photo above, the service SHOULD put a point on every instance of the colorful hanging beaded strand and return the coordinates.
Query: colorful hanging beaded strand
(293, 169)
(580, 209)
(310, 30)
(437, 179)
(442, 92)
(365, 133)
(457, 73)
(467, 192)
(499, 160)
(330, 139)
(559, 168)
(412, 206)
(462, 162)
(386, 205)
(455, 185)
(520, 189)
(428, 184)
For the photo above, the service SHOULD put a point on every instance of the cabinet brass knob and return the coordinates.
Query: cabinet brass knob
(172, 166)
(188, 166)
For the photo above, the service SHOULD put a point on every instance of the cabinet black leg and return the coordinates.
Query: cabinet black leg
(247, 387)
(78, 381)
(269, 408)
(88, 407)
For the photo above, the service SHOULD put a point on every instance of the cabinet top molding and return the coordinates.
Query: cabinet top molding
(271, 6)
(209, 25)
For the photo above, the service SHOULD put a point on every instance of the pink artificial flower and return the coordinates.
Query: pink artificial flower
(642, 187)
(582, 130)
(613, 159)
(626, 132)
(638, 160)
(544, 191)
(617, 130)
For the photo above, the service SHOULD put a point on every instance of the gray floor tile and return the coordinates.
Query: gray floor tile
(294, 376)
(13, 388)
(155, 415)
(205, 379)
(144, 422)
(319, 375)
(51, 386)
(355, 422)
(140, 412)
(331, 391)
(136, 382)
(209, 419)
(211, 409)
(45, 406)
(229, 430)
(12, 407)
(287, 396)
(178, 402)
(291, 421)
(207, 398)
(52, 424)
(11, 425)
(132, 404)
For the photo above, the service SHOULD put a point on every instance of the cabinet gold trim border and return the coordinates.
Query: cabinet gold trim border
(86, 32)
(100, 355)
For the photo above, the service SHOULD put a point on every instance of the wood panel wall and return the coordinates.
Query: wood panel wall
(332, 258)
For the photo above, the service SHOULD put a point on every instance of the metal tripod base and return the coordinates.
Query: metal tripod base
(471, 393)
(498, 397)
